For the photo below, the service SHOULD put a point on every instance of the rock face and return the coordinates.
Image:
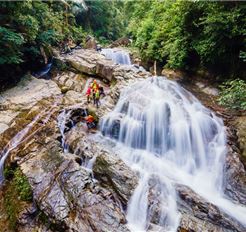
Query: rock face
(240, 125)
(91, 62)
(235, 174)
(124, 41)
(66, 193)
(191, 204)
(91, 43)
(24, 96)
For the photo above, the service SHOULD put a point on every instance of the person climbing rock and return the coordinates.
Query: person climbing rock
(90, 122)
(94, 87)
(88, 94)
(97, 98)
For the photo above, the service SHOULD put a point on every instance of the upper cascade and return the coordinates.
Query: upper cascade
(166, 134)
(117, 55)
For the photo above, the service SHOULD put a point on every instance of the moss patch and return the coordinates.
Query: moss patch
(17, 194)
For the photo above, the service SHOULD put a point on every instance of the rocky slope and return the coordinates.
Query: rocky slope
(88, 187)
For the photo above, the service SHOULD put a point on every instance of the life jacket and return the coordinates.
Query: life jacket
(88, 92)
(89, 119)
(97, 95)
(94, 86)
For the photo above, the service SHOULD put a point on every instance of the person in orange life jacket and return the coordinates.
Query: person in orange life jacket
(88, 94)
(90, 121)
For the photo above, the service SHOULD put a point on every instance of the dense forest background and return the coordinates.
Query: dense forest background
(194, 36)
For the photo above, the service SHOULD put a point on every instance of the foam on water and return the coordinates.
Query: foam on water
(166, 134)
(118, 56)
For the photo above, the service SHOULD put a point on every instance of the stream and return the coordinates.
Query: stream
(165, 134)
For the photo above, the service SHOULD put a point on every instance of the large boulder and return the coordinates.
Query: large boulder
(66, 193)
(124, 41)
(23, 97)
(115, 174)
(27, 93)
(90, 43)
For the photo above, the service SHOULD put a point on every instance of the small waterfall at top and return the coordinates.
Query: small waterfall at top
(169, 137)
(118, 56)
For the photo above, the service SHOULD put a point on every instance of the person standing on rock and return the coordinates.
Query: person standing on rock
(97, 98)
(94, 87)
(88, 94)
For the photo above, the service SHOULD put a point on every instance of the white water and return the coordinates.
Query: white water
(167, 135)
(20, 137)
(62, 119)
(118, 56)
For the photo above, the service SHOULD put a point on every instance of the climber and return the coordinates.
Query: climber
(88, 94)
(94, 87)
(90, 122)
(97, 98)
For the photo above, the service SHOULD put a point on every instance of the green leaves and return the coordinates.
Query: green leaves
(10, 43)
(233, 94)
(191, 34)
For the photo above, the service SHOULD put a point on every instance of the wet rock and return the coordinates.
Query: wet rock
(65, 192)
(207, 89)
(171, 74)
(240, 125)
(124, 41)
(105, 69)
(192, 204)
(189, 223)
(72, 98)
(91, 62)
(90, 43)
(27, 93)
(235, 177)
(114, 173)
(24, 96)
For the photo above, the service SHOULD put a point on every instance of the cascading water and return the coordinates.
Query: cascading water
(20, 137)
(67, 120)
(169, 137)
(118, 56)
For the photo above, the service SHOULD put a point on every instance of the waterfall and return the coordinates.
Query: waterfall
(118, 56)
(43, 71)
(165, 134)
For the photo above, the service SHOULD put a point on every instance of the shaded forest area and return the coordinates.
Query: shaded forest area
(28, 29)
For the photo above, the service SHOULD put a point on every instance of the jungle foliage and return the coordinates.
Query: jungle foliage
(233, 94)
(30, 28)
(191, 35)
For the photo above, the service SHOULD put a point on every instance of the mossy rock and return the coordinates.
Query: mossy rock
(17, 195)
